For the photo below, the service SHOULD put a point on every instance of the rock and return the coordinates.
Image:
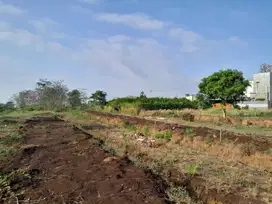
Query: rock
(109, 159)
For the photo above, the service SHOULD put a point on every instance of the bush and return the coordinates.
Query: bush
(34, 107)
(188, 117)
(155, 103)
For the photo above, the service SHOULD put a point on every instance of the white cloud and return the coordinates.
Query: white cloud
(140, 64)
(43, 25)
(9, 9)
(137, 20)
(189, 40)
(237, 40)
(118, 38)
(90, 1)
(4, 25)
(120, 64)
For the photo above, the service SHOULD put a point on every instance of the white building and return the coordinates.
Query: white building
(191, 97)
(261, 86)
(259, 92)
(250, 89)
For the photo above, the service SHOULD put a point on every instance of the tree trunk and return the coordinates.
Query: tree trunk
(224, 111)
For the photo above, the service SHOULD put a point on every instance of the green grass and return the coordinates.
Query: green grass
(79, 114)
(5, 151)
(191, 169)
(239, 113)
(8, 189)
(167, 135)
(188, 131)
(11, 139)
(146, 131)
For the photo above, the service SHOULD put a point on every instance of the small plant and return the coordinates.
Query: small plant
(55, 116)
(191, 169)
(132, 127)
(146, 131)
(5, 151)
(40, 127)
(7, 181)
(11, 139)
(269, 151)
(180, 195)
(166, 135)
(188, 117)
(129, 126)
(188, 131)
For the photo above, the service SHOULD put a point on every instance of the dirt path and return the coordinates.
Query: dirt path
(70, 169)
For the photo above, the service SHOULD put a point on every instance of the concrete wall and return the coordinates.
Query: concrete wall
(254, 104)
(250, 89)
(262, 86)
(191, 97)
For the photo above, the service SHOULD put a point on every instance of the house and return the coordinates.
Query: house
(260, 87)
(259, 93)
(190, 97)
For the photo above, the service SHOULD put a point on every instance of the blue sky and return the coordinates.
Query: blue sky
(125, 46)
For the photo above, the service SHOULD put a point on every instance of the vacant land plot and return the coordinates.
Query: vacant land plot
(58, 163)
(259, 143)
(98, 157)
(240, 121)
(191, 160)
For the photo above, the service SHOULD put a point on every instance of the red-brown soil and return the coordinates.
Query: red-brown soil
(67, 168)
(261, 143)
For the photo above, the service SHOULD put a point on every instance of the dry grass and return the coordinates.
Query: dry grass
(258, 126)
(227, 151)
(221, 166)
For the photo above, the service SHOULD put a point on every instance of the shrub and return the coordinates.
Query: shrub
(188, 117)
(260, 99)
(155, 103)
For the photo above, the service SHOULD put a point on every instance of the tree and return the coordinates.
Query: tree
(7, 106)
(27, 97)
(99, 98)
(74, 98)
(227, 86)
(2, 107)
(142, 95)
(53, 94)
(265, 68)
(202, 101)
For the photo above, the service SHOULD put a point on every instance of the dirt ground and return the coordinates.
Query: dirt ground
(261, 143)
(65, 167)
(216, 181)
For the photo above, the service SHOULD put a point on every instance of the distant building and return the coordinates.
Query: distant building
(259, 93)
(190, 97)
(260, 88)
(250, 89)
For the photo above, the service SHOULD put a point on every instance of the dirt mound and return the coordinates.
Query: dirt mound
(261, 143)
(73, 170)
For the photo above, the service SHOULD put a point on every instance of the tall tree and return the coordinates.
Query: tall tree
(27, 97)
(99, 98)
(9, 105)
(2, 107)
(53, 94)
(74, 98)
(202, 101)
(265, 68)
(228, 86)
(142, 94)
